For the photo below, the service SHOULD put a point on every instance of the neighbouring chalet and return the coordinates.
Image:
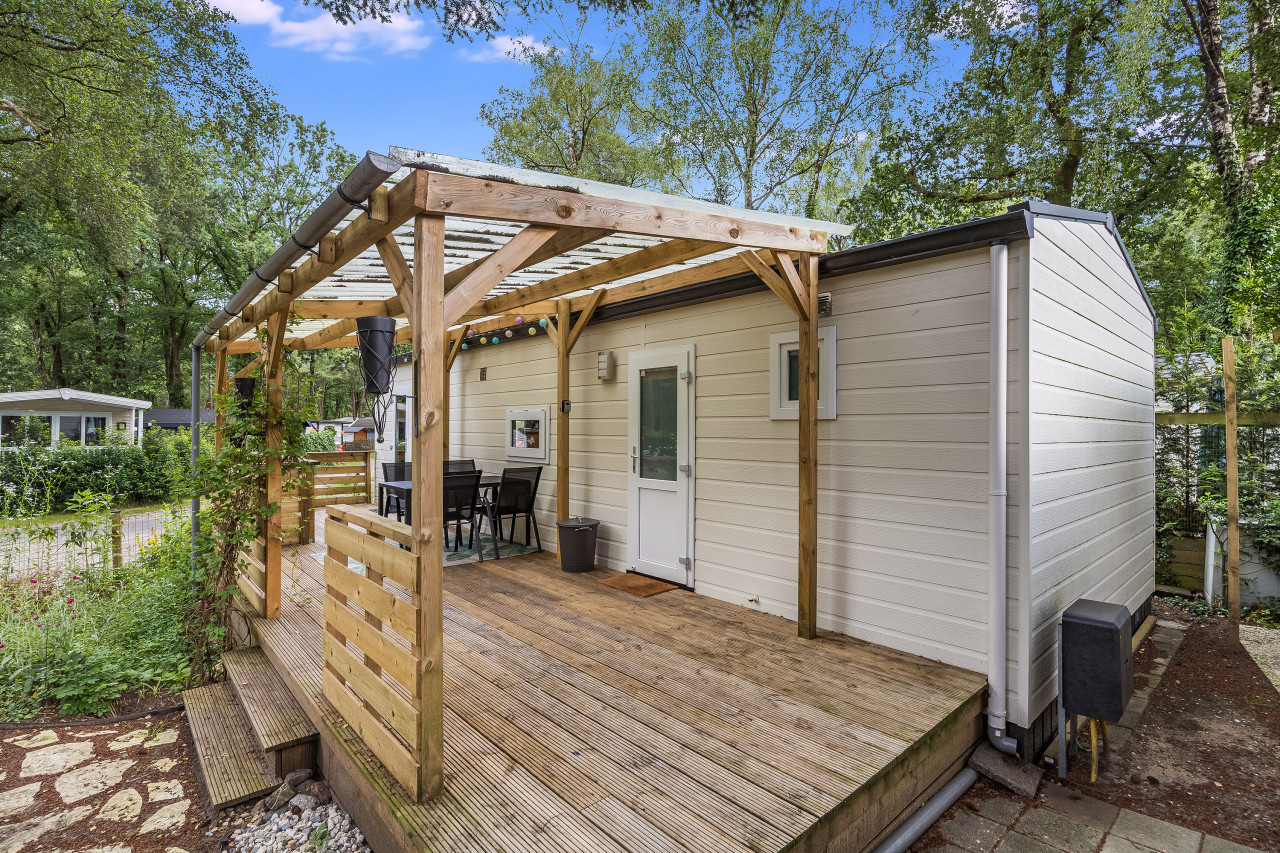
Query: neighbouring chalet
(63, 416)
(877, 477)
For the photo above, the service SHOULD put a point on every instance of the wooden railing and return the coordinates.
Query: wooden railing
(371, 648)
(340, 477)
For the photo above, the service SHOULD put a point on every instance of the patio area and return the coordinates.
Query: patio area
(580, 717)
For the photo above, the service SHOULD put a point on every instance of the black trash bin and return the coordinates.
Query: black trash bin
(578, 543)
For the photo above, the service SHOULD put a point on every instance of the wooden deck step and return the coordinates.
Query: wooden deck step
(233, 767)
(279, 725)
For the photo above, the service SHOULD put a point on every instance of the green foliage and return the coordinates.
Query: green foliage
(80, 637)
(323, 441)
(229, 482)
(576, 117)
(1196, 608)
(38, 479)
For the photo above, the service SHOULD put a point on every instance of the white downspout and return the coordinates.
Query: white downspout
(997, 504)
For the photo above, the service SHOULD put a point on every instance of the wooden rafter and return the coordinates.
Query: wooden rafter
(635, 263)
(458, 195)
(248, 368)
(510, 257)
(400, 274)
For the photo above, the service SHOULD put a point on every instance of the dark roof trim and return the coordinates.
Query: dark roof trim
(1015, 225)
(914, 247)
(1058, 211)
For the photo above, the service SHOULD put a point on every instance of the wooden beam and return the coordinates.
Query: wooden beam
(634, 263)
(807, 523)
(584, 317)
(459, 195)
(563, 330)
(274, 357)
(428, 504)
(1233, 491)
(401, 275)
(510, 257)
(787, 269)
(456, 346)
(338, 309)
(248, 368)
(356, 236)
(774, 280)
(220, 382)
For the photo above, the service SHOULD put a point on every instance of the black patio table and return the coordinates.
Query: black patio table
(403, 489)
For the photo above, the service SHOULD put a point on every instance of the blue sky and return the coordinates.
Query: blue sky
(377, 84)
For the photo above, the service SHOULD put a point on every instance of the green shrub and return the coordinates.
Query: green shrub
(81, 638)
(37, 479)
(324, 441)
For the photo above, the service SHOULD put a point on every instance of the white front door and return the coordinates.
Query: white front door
(660, 477)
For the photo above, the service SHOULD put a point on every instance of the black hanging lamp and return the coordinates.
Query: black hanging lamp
(376, 337)
(244, 387)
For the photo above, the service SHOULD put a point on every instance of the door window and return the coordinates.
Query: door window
(659, 423)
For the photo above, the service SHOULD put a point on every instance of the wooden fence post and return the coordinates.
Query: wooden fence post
(1233, 491)
(307, 506)
(369, 483)
(117, 552)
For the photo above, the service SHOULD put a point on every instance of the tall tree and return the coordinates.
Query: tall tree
(575, 117)
(760, 113)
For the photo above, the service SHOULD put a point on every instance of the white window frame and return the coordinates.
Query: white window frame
(542, 414)
(782, 343)
(55, 421)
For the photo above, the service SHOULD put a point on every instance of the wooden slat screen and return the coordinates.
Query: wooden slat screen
(371, 649)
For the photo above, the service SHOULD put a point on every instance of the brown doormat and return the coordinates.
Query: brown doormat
(637, 584)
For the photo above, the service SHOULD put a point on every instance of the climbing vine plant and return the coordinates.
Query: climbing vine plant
(230, 484)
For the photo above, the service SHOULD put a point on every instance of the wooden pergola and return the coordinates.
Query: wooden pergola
(450, 246)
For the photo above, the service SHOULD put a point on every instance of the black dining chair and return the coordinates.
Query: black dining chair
(392, 471)
(515, 498)
(462, 505)
(459, 466)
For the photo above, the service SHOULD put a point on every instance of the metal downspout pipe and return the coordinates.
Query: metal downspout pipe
(997, 505)
(195, 456)
(915, 826)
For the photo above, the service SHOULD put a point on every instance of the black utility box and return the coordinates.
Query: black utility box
(1097, 660)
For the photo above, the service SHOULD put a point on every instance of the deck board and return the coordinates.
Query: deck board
(578, 717)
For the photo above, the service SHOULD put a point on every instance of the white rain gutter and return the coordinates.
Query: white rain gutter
(997, 505)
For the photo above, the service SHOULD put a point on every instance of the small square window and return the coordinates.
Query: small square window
(784, 375)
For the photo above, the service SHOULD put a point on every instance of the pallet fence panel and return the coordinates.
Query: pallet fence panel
(371, 648)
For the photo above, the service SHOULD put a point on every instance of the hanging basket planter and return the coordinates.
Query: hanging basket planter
(376, 337)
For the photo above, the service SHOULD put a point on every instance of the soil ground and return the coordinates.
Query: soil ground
(161, 771)
(1206, 754)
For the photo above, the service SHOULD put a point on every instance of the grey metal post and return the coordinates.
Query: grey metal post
(195, 452)
(1063, 745)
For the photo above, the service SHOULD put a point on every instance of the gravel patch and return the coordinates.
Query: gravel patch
(1263, 645)
(324, 829)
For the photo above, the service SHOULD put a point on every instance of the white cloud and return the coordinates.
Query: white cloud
(320, 33)
(504, 47)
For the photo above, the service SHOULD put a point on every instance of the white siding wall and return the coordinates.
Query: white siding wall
(1092, 430)
(902, 479)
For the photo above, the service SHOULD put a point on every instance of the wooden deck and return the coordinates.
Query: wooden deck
(581, 718)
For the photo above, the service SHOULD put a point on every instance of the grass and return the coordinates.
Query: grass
(63, 517)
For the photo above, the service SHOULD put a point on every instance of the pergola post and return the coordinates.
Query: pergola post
(562, 413)
(565, 335)
(807, 615)
(429, 358)
(275, 474)
(219, 390)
